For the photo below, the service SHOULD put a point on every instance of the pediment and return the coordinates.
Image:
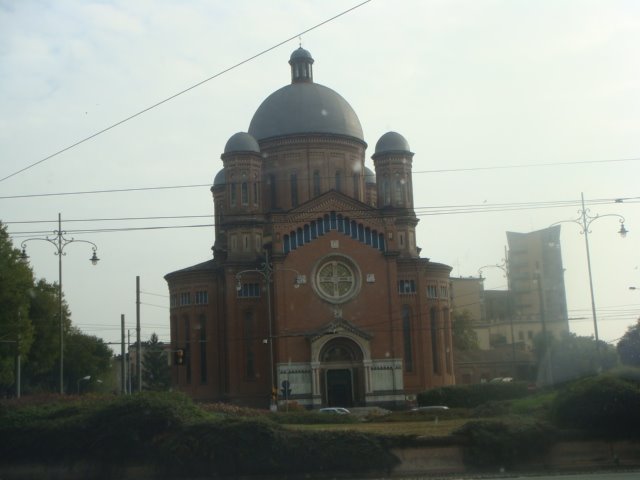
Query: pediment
(333, 201)
(339, 326)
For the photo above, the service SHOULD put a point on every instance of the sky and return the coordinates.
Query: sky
(513, 108)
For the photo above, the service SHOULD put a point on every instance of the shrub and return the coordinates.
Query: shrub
(505, 442)
(235, 447)
(311, 418)
(605, 405)
(469, 396)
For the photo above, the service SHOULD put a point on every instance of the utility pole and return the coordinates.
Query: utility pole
(139, 345)
(123, 374)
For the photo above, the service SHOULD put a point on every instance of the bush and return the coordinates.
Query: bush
(469, 396)
(605, 405)
(234, 447)
(504, 443)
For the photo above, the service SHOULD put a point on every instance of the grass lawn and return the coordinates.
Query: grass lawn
(430, 427)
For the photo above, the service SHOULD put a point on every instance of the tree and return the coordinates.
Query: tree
(16, 331)
(86, 355)
(629, 346)
(572, 357)
(464, 336)
(155, 366)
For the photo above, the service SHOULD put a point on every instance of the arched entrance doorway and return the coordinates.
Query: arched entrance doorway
(342, 368)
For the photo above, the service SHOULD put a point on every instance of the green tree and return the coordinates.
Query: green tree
(629, 346)
(16, 331)
(155, 367)
(573, 356)
(464, 336)
(86, 355)
(40, 371)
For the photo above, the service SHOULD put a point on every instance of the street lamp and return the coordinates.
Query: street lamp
(266, 270)
(585, 220)
(88, 377)
(59, 241)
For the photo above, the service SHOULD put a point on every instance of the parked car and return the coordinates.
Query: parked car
(335, 410)
(431, 408)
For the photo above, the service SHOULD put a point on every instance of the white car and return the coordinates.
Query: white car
(336, 410)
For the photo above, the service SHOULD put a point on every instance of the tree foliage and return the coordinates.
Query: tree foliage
(464, 336)
(155, 367)
(85, 356)
(16, 332)
(573, 356)
(629, 346)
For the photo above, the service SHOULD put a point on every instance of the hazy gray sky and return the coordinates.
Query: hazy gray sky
(470, 84)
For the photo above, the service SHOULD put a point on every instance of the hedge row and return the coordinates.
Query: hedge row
(180, 439)
(469, 396)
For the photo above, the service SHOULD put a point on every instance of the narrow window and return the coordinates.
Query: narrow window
(203, 349)
(256, 198)
(249, 360)
(272, 191)
(398, 192)
(187, 351)
(435, 353)
(316, 183)
(294, 190)
(338, 181)
(386, 194)
(406, 335)
(356, 186)
(244, 192)
(233, 194)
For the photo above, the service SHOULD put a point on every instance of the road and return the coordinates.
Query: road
(627, 475)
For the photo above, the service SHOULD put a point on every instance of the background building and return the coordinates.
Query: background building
(506, 322)
(316, 291)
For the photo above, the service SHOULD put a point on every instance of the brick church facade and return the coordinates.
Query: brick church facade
(316, 292)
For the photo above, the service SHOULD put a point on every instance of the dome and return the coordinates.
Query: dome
(242, 142)
(304, 107)
(392, 142)
(300, 53)
(369, 175)
(219, 179)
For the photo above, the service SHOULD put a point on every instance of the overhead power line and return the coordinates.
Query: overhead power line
(418, 172)
(188, 89)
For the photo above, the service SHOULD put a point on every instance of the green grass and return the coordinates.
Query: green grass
(418, 428)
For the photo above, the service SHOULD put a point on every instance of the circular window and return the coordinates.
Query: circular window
(336, 280)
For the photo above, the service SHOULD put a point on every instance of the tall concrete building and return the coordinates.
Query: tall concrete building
(316, 291)
(536, 282)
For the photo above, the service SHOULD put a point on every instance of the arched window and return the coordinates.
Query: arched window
(244, 194)
(386, 191)
(398, 192)
(338, 181)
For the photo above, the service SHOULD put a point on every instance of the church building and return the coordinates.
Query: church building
(316, 291)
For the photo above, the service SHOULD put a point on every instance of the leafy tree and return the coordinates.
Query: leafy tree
(464, 336)
(155, 369)
(40, 371)
(16, 331)
(86, 355)
(629, 346)
(572, 356)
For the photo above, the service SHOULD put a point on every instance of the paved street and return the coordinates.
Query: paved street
(627, 475)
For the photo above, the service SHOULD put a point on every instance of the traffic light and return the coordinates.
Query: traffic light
(178, 357)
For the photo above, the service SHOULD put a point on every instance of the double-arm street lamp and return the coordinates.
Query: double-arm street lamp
(584, 220)
(59, 241)
(266, 270)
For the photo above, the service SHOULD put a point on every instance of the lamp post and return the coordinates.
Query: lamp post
(266, 271)
(585, 220)
(59, 241)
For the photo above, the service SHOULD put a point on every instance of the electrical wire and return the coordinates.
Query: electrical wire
(188, 89)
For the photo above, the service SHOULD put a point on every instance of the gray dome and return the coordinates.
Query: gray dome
(299, 54)
(305, 108)
(369, 175)
(219, 179)
(392, 142)
(241, 142)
